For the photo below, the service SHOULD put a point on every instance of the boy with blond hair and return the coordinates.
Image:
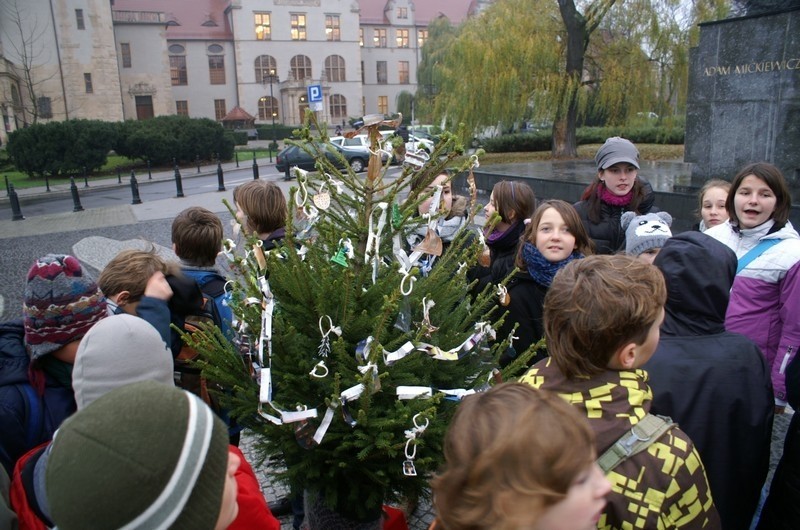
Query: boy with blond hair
(601, 317)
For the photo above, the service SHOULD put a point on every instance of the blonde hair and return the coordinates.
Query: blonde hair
(511, 453)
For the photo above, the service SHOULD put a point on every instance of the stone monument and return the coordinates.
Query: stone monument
(743, 104)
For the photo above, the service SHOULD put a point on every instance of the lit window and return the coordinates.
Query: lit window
(334, 68)
(381, 69)
(79, 19)
(263, 26)
(422, 37)
(298, 26)
(402, 12)
(383, 104)
(87, 83)
(338, 106)
(332, 30)
(182, 108)
(402, 70)
(267, 108)
(125, 51)
(300, 66)
(219, 109)
(216, 69)
(402, 38)
(361, 37)
(380, 38)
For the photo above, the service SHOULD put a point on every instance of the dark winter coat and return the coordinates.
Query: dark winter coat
(661, 487)
(526, 309)
(503, 254)
(715, 384)
(608, 235)
(782, 509)
(54, 406)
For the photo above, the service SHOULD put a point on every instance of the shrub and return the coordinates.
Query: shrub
(510, 143)
(281, 132)
(166, 137)
(239, 137)
(542, 140)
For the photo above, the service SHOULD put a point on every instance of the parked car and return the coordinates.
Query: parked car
(416, 143)
(293, 155)
(357, 147)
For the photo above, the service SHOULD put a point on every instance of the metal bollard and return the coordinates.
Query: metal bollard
(220, 176)
(255, 167)
(178, 183)
(149, 173)
(197, 160)
(8, 190)
(76, 199)
(119, 175)
(46, 182)
(135, 189)
(16, 211)
(236, 154)
(85, 178)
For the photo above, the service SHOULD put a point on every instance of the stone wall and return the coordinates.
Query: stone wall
(744, 97)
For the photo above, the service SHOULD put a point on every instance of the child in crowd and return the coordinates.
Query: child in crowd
(645, 234)
(618, 188)
(715, 384)
(134, 282)
(713, 196)
(517, 457)
(765, 297)
(261, 209)
(197, 240)
(61, 303)
(554, 237)
(602, 316)
(513, 202)
(145, 455)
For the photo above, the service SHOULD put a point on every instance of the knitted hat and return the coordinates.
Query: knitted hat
(616, 150)
(61, 303)
(142, 456)
(117, 351)
(644, 232)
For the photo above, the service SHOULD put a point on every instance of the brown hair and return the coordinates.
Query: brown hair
(511, 453)
(264, 205)
(197, 236)
(597, 305)
(713, 183)
(595, 206)
(130, 270)
(773, 178)
(583, 242)
(513, 197)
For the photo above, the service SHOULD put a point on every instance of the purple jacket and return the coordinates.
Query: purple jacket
(765, 297)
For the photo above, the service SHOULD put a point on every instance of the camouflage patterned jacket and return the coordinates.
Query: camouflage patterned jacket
(664, 486)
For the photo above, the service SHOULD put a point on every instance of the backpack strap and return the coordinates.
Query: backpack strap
(34, 414)
(755, 252)
(214, 287)
(639, 438)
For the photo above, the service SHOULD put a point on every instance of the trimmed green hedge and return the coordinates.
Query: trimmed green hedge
(542, 140)
(281, 131)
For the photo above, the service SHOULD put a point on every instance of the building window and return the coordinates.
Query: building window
(363, 78)
(332, 30)
(267, 108)
(402, 70)
(87, 83)
(300, 66)
(177, 65)
(361, 37)
(144, 107)
(125, 51)
(216, 69)
(219, 109)
(265, 65)
(334, 68)
(402, 12)
(79, 19)
(383, 104)
(298, 26)
(263, 26)
(338, 105)
(379, 38)
(402, 38)
(182, 108)
(380, 66)
(45, 107)
(422, 37)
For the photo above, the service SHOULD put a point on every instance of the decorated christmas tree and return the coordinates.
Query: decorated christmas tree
(351, 355)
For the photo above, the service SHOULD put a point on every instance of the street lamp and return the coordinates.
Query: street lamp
(272, 78)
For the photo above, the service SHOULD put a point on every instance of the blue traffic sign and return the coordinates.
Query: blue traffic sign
(315, 93)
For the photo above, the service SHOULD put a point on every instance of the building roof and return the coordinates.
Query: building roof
(186, 19)
(457, 11)
(238, 114)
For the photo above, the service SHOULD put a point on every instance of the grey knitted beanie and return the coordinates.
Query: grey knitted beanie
(143, 456)
(644, 232)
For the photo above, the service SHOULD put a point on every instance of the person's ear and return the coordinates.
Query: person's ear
(624, 358)
(123, 297)
(175, 248)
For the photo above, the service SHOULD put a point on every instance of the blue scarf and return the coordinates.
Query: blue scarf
(540, 269)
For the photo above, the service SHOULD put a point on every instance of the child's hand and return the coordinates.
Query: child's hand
(157, 287)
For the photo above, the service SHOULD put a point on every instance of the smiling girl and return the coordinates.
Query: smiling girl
(765, 297)
(554, 237)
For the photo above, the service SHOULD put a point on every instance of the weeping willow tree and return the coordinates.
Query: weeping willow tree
(551, 61)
